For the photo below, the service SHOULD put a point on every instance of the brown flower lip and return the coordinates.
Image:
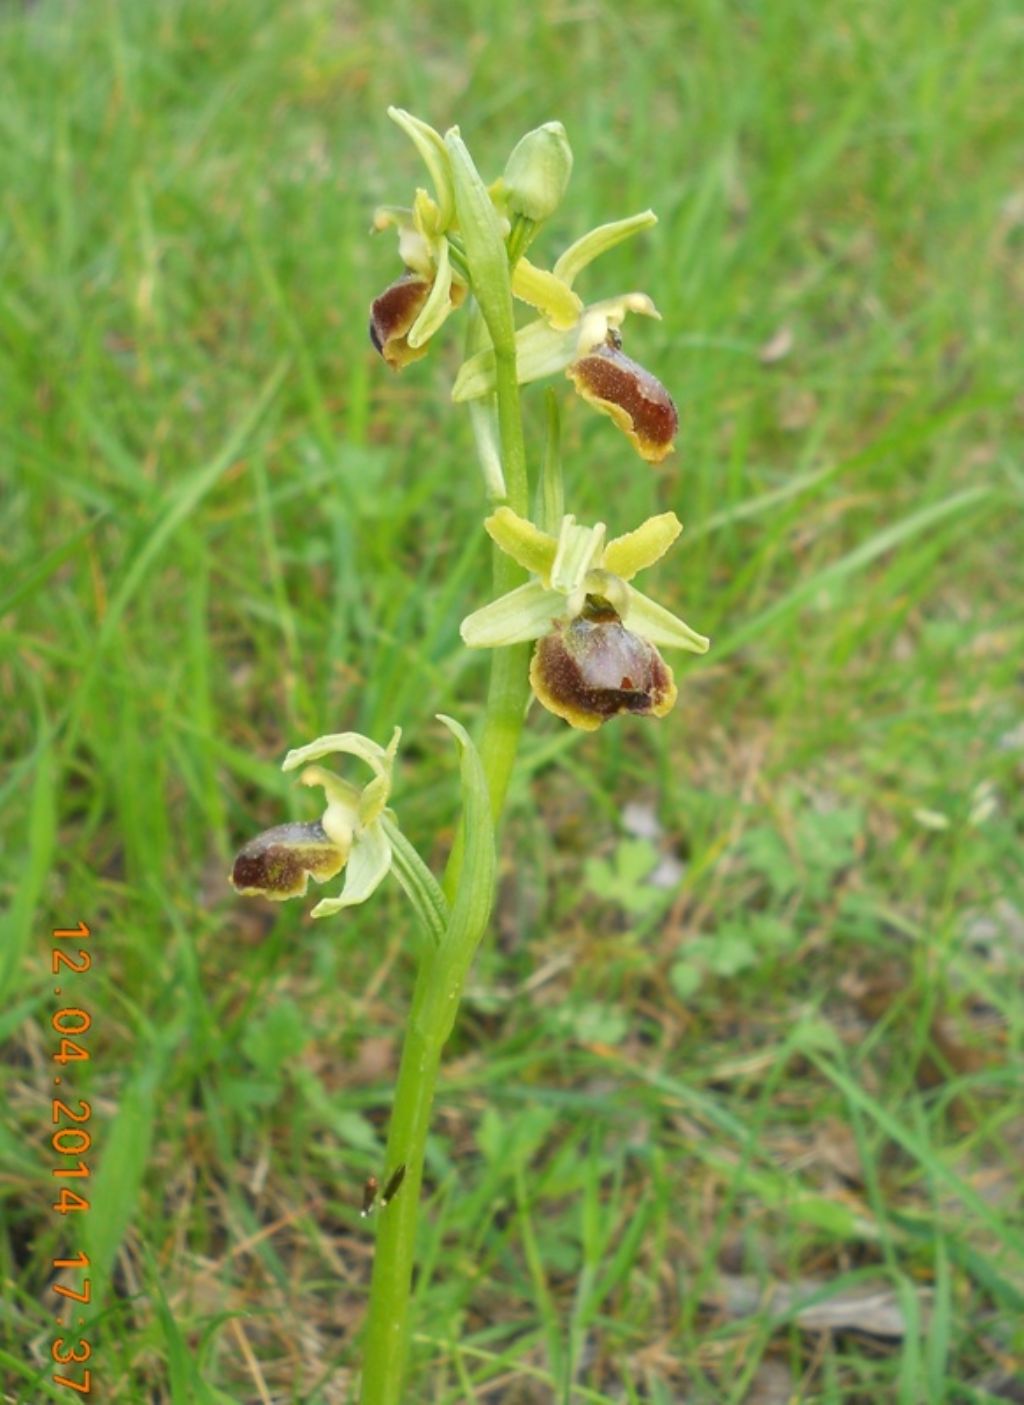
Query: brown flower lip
(636, 400)
(592, 668)
(279, 863)
(392, 315)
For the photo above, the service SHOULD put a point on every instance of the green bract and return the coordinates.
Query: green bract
(483, 233)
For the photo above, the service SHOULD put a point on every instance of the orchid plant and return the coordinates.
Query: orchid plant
(559, 586)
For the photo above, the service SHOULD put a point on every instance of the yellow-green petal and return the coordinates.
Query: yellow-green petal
(550, 295)
(375, 796)
(533, 549)
(635, 551)
(426, 216)
(578, 549)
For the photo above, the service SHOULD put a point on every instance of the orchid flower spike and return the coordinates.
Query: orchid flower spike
(597, 636)
(278, 863)
(584, 341)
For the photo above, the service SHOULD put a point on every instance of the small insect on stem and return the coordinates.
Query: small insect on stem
(394, 1182)
(369, 1195)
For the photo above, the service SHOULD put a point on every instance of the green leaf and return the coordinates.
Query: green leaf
(770, 934)
(41, 571)
(731, 953)
(507, 1137)
(417, 882)
(595, 1023)
(767, 853)
(687, 978)
(621, 881)
(40, 846)
(123, 1154)
(827, 843)
(961, 507)
(276, 1038)
(183, 496)
(922, 1153)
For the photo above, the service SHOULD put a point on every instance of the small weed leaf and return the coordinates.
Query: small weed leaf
(621, 880)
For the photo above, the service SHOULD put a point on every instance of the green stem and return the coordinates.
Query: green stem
(510, 683)
(510, 425)
(443, 971)
(386, 1341)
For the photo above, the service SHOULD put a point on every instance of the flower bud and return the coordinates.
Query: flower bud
(538, 171)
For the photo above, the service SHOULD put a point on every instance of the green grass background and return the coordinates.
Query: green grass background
(678, 1124)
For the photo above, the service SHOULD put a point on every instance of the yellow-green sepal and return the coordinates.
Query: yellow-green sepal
(514, 618)
(368, 866)
(430, 145)
(659, 626)
(597, 242)
(542, 351)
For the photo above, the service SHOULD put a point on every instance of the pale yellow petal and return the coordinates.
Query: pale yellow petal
(549, 295)
(533, 549)
(635, 551)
